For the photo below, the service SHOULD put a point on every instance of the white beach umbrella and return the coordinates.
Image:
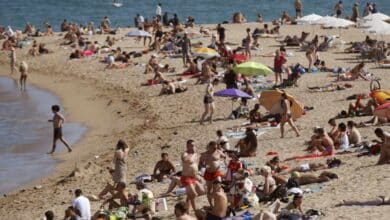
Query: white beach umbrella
(325, 20)
(368, 23)
(309, 19)
(380, 27)
(376, 16)
(138, 33)
(339, 23)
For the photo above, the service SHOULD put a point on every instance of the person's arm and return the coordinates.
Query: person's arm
(156, 168)
(172, 167)
(266, 186)
(362, 76)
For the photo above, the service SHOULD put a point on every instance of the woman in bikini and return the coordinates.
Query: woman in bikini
(286, 115)
(208, 101)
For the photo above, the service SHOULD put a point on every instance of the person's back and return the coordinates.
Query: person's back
(355, 136)
(82, 204)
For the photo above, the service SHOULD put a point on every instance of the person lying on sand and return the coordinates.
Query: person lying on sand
(359, 109)
(163, 168)
(171, 88)
(374, 121)
(308, 167)
(294, 207)
(305, 179)
(255, 115)
(378, 201)
(354, 74)
(248, 145)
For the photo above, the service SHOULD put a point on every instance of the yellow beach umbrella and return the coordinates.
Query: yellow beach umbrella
(205, 52)
(270, 99)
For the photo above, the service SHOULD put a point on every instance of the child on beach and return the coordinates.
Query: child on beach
(23, 68)
(58, 120)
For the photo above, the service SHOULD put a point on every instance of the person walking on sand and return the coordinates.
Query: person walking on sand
(12, 57)
(286, 115)
(23, 68)
(208, 101)
(58, 120)
(248, 42)
(355, 12)
(120, 161)
(158, 11)
(185, 49)
(298, 8)
(385, 146)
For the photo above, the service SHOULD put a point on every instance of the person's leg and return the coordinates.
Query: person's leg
(66, 144)
(276, 79)
(292, 124)
(205, 113)
(209, 186)
(21, 82)
(282, 128)
(280, 77)
(191, 195)
(212, 107)
(54, 144)
(383, 158)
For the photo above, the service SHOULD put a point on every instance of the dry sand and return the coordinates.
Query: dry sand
(113, 105)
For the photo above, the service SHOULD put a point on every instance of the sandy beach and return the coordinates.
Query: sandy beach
(113, 105)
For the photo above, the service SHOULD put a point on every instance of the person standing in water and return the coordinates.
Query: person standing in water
(12, 57)
(286, 115)
(23, 68)
(58, 120)
(339, 8)
(298, 8)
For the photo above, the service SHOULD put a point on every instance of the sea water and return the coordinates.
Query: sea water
(17, 12)
(26, 135)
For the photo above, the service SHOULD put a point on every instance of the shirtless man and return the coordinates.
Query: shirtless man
(23, 68)
(353, 134)
(218, 211)
(334, 132)
(326, 145)
(339, 8)
(12, 57)
(58, 120)
(190, 178)
(248, 43)
(163, 168)
(210, 159)
(385, 146)
(181, 212)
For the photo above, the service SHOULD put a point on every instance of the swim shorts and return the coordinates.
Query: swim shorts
(211, 176)
(187, 180)
(57, 133)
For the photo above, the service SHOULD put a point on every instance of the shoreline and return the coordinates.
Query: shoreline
(63, 160)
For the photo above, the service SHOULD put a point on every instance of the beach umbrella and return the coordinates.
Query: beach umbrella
(252, 69)
(138, 33)
(309, 19)
(325, 20)
(379, 27)
(383, 110)
(233, 93)
(377, 17)
(338, 23)
(239, 58)
(270, 99)
(205, 52)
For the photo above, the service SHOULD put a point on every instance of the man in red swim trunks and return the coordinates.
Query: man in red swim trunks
(190, 178)
(211, 160)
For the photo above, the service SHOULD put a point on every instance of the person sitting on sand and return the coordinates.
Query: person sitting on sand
(269, 182)
(323, 143)
(49, 30)
(29, 29)
(238, 18)
(334, 132)
(255, 115)
(143, 201)
(222, 141)
(248, 144)
(181, 212)
(117, 193)
(42, 49)
(219, 209)
(163, 168)
(72, 213)
(359, 109)
(242, 190)
(354, 74)
(274, 163)
(152, 63)
(385, 146)
(75, 55)
(354, 135)
(342, 141)
(285, 18)
(193, 67)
